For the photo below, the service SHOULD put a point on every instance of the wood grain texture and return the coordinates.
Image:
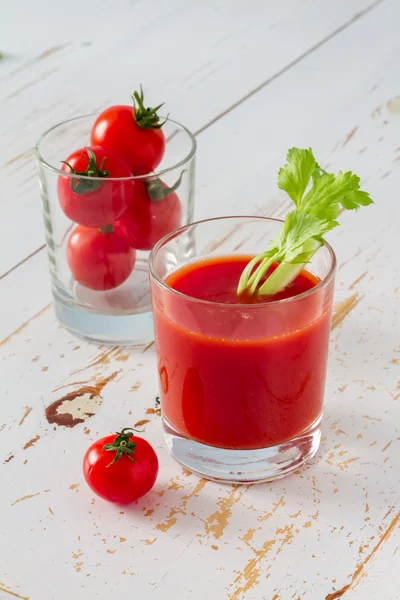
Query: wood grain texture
(332, 529)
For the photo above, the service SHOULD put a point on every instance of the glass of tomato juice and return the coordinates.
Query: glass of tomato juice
(102, 220)
(242, 380)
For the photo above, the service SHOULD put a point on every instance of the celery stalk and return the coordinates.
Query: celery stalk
(285, 273)
(318, 197)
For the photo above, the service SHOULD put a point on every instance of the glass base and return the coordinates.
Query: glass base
(243, 466)
(126, 330)
(118, 317)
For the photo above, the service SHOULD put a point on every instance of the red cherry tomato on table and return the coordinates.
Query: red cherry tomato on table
(99, 259)
(88, 201)
(134, 133)
(121, 467)
(155, 210)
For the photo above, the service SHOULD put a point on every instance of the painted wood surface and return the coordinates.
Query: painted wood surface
(251, 79)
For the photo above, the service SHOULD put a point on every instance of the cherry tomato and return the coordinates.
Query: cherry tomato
(121, 467)
(88, 201)
(132, 132)
(154, 211)
(99, 259)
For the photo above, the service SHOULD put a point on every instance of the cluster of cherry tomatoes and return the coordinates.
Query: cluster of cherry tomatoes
(119, 215)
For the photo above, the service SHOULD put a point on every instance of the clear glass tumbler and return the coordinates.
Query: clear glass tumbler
(242, 385)
(100, 230)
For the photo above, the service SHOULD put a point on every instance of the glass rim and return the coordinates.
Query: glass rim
(320, 285)
(146, 176)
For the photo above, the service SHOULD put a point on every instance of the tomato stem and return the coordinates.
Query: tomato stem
(122, 445)
(157, 192)
(83, 186)
(107, 229)
(147, 118)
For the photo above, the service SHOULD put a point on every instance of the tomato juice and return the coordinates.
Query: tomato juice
(240, 372)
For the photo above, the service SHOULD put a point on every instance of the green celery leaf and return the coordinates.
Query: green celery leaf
(317, 173)
(297, 229)
(330, 192)
(295, 176)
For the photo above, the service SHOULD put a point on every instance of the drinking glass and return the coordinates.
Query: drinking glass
(241, 385)
(109, 305)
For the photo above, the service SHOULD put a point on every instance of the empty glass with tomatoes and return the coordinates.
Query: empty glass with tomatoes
(112, 185)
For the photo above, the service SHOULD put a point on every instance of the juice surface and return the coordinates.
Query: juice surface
(216, 280)
(227, 382)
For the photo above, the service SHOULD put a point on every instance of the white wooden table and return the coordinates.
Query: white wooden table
(251, 79)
